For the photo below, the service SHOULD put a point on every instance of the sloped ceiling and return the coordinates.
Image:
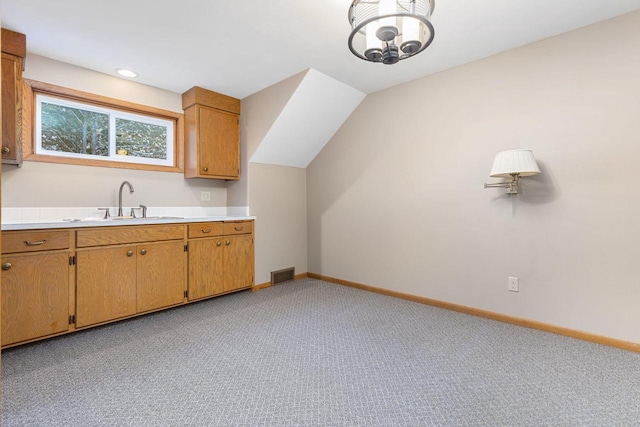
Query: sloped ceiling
(239, 48)
(313, 114)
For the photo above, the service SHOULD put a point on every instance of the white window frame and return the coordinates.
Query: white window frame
(113, 114)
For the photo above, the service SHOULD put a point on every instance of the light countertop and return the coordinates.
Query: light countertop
(97, 222)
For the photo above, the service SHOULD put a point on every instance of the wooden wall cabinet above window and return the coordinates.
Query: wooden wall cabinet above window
(14, 51)
(212, 135)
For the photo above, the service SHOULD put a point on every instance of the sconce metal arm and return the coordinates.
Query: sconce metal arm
(498, 185)
(511, 186)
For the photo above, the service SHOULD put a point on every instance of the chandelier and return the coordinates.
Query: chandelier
(390, 30)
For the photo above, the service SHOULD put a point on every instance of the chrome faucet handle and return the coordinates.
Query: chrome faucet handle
(106, 212)
(144, 211)
(133, 212)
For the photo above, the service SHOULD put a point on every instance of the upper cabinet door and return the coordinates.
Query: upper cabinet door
(211, 135)
(11, 109)
(14, 50)
(219, 143)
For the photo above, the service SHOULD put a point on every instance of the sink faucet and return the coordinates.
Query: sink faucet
(120, 196)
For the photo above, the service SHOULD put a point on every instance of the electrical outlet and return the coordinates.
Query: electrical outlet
(205, 195)
(514, 284)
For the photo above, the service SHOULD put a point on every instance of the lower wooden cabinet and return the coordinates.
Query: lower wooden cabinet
(58, 280)
(105, 285)
(238, 263)
(221, 264)
(160, 275)
(118, 282)
(35, 296)
(206, 268)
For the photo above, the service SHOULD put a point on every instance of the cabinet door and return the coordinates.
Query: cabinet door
(11, 108)
(206, 267)
(219, 143)
(35, 296)
(106, 284)
(160, 275)
(238, 262)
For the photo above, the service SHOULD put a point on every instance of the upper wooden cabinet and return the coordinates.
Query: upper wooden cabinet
(14, 51)
(212, 135)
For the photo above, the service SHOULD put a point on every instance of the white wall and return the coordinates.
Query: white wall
(38, 184)
(257, 113)
(397, 200)
(278, 198)
(276, 194)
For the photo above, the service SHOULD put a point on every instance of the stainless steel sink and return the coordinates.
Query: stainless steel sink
(120, 218)
(161, 217)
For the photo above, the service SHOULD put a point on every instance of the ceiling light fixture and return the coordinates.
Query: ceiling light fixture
(390, 30)
(126, 73)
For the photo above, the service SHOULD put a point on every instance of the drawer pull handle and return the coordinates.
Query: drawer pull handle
(143, 251)
(130, 253)
(208, 230)
(238, 228)
(219, 244)
(38, 243)
(228, 242)
(6, 266)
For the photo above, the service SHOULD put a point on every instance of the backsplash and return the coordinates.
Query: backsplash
(20, 215)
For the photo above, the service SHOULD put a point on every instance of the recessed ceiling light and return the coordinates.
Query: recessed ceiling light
(126, 73)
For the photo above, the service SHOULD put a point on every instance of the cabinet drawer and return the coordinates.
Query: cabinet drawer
(239, 227)
(205, 229)
(130, 234)
(32, 241)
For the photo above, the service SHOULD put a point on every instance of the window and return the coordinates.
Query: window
(73, 129)
(80, 128)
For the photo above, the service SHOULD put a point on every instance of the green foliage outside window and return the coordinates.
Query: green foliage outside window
(72, 130)
(141, 139)
(103, 132)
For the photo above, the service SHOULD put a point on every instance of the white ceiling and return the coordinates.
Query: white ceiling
(316, 109)
(240, 47)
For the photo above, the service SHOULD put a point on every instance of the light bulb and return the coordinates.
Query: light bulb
(387, 30)
(411, 42)
(126, 73)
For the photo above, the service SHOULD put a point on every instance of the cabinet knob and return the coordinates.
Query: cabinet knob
(228, 242)
(143, 251)
(219, 244)
(6, 266)
(130, 253)
(206, 169)
(5, 150)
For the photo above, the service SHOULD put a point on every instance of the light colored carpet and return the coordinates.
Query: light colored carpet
(311, 353)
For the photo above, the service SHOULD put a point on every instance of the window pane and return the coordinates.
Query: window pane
(73, 130)
(141, 139)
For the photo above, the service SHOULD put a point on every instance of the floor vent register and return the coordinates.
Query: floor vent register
(284, 275)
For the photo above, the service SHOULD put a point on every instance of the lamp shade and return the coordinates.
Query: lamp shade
(511, 162)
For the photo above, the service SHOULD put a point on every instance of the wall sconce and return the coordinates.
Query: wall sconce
(512, 164)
